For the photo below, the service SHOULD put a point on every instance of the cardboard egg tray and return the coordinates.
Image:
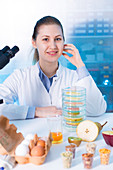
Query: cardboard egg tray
(10, 139)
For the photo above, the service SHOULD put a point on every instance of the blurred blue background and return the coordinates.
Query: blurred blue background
(90, 29)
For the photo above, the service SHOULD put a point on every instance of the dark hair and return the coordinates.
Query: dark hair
(47, 20)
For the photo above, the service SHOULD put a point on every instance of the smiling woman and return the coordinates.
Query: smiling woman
(48, 38)
(49, 43)
(38, 89)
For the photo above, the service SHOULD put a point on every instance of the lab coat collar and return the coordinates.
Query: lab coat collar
(58, 72)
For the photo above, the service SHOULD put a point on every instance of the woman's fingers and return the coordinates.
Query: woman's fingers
(59, 112)
(69, 46)
(69, 51)
(75, 59)
(66, 56)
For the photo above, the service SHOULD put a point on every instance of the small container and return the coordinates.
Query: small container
(90, 147)
(104, 156)
(73, 106)
(55, 127)
(87, 160)
(67, 159)
(74, 140)
(71, 148)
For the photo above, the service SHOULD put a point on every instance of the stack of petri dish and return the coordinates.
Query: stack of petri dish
(73, 106)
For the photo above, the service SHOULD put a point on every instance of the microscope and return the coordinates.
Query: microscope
(5, 54)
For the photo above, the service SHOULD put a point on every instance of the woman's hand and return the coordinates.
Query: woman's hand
(42, 112)
(75, 59)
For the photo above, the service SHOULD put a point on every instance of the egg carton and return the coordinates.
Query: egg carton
(37, 160)
(10, 139)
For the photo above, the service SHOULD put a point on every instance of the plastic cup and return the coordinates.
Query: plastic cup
(90, 147)
(104, 156)
(55, 126)
(71, 148)
(67, 159)
(87, 160)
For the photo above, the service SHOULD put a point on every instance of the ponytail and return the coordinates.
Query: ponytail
(36, 57)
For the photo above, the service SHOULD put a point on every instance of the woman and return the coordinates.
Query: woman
(38, 89)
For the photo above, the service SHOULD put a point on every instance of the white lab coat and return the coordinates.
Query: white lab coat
(25, 86)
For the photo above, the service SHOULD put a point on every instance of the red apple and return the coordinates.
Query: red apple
(108, 137)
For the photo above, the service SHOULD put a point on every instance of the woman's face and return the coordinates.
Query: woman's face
(49, 43)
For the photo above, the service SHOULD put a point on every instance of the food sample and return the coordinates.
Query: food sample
(108, 137)
(71, 122)
(71, 148)
(104, 156)
(87, 160)
(90, 147)
(73, 111)
(73, 119)
(29, 137)
(25, 142)
(88, 130)
(57, 137)
(22, 150)
(38, 151)
(41, 143)
(75, 140)
(72, 93)
(100, 126)
(67, 159)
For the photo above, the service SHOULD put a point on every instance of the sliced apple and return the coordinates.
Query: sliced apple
(108, 137)
(108, 133)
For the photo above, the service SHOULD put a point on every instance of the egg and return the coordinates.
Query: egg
(22, 150)
(38, 151)
(25, 142)
(29, 137)
(41, 143)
